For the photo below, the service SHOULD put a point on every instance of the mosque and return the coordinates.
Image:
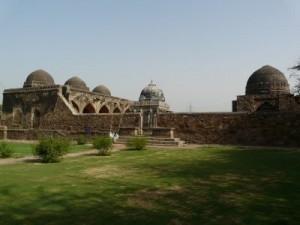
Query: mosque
(25, 107)
(71, 108)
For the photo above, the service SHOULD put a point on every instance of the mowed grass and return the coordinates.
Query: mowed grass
(217, 185)
(25, 149)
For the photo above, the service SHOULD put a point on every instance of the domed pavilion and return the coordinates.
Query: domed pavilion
(38, 78)
(102, 90)
(76, 82)
(267, 89)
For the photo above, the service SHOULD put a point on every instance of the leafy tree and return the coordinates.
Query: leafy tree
(296, 75)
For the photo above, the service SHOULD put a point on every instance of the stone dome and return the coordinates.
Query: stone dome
(39, 78)
(103, 90)
(152, 92)
(76, 82)
(267, 81)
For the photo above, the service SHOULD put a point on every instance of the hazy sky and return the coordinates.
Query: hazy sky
(199, 52)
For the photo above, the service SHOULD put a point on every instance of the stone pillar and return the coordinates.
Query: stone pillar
(136, 132)
(155, 120)
(141, 122)
(3, 130)
(172, 133)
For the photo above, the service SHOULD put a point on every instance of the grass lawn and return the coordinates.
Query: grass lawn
(25, 149)
(213, 185)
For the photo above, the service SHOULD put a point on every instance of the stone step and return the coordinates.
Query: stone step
(152, 142)
(155, 141)
(153, 138)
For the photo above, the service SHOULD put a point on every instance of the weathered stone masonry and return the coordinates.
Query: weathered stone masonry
(264, 128)
(268, 114)
(63, 119)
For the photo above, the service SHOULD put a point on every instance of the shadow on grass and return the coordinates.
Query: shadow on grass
(134, 150)
(227, 187)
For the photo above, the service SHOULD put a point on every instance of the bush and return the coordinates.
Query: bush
(103, 145)
(52, 149)
(81, 140)
(5, 150)
(137, 143)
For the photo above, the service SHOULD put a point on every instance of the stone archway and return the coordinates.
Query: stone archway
(104, 109)
(267, 107)
(117, 110)
(36, 119)
(128, 110)
(17, 117)
(89, 108)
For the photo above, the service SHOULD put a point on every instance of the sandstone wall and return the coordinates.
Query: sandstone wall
(252, 103)
(276, 129)
(263, 128)
(30, 134)
(63, 119)
(19, 105)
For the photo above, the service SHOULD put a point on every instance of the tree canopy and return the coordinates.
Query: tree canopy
(296, 75)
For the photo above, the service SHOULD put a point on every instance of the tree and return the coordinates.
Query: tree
(296, 75)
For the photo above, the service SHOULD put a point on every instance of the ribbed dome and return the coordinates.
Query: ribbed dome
(38, 78)
(152, 92)
(267, 80)
(101, 89)
(76, 82)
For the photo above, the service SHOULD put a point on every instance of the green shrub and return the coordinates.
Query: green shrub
(5, 150)
(103, 145)
(81, 140)
(137, 143)
(52, 149)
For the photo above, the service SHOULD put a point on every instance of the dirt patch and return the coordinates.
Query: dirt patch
(11, 161)
(140, 203)
(107, 171)
(149, 199)
(20, 141)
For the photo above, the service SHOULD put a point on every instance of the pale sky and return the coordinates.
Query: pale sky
(200, 52)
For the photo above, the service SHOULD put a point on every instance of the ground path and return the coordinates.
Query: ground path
(9, 161)
(118, 147)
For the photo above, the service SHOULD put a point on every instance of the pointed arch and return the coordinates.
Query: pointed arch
(17, 116)
(266, 107)
(36, 119)
(75, 106)
(128, 110)
(89, 108)
(104, 109)
(117, 110)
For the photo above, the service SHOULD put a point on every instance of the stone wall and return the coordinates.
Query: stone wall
(56, 117)
(21, 107)
(30, 134)
(63, 119)
(276, 129)
(253, 103)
